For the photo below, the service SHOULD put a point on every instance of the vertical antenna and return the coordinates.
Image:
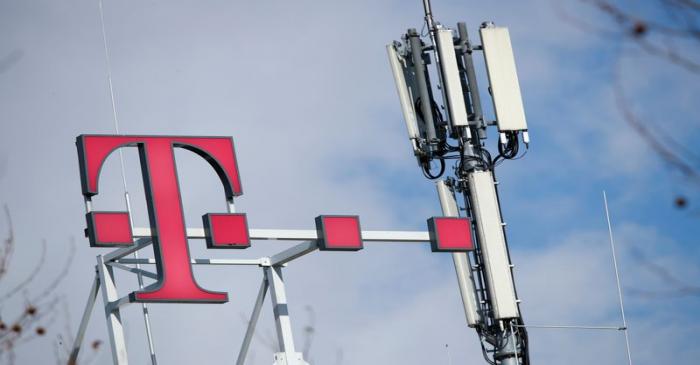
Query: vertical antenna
(617, 278)
(449, 356)
(428, 14)
(127, 200)
(431, 24)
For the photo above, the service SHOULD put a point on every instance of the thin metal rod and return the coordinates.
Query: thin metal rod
(94, 289)
(513, 343)
(109, 67)
(108, 64)
(617, 278)
(115, 119)
(250, 331)
(139, 276)
(612, 328)
(134, 270)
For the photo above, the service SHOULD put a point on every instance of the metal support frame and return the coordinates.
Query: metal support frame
(287, 354)
(112, 312)
(272, 280)
(94, 289)
(250, 331)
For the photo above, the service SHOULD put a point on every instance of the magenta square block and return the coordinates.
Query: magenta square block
(450, 234)
(226, 230)
(109, 229)
(339, 233)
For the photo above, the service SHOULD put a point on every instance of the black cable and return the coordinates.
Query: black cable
(437, 115)
(509, 150)
(486, 355)
(426, 170)
(483, 349)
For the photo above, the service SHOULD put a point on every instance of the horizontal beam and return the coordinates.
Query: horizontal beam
(197, 261)
(612, 328)
(307, 235)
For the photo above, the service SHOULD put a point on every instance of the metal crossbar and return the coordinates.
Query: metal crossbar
(272, 281)
(304, 235)
(572, 327)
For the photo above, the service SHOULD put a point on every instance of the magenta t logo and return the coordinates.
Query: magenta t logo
(175, 280)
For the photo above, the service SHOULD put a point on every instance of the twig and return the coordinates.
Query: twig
(631, 118)
(32, 275)
(8, 244)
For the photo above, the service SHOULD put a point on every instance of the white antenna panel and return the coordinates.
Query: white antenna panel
(482, 195)
(503, 77)
(454, 94)
(462, 262)
(405, 98)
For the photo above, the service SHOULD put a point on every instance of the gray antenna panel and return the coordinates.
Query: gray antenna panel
(503, 77)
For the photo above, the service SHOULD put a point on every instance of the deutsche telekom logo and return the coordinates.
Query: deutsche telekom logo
(175, 281)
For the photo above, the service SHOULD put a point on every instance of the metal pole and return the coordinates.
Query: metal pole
(253, 322)
(114, 320)
(617, 279)
(507, 351)
(285, 339)
(144, 306)
(429, 21)
(87, 313)
(428, 13)
(281, 312)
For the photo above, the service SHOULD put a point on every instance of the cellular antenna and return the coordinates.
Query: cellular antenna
(452, 128)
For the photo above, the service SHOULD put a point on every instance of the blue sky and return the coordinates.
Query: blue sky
(305, 90)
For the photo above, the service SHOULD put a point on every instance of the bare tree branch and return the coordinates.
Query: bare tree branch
(32, 275)
(631, 118)
(8, 244)
(39, 311)
(670, 54)
(690, 4)
(61, 275)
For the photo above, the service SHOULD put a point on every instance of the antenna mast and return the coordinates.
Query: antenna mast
(453, 129)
